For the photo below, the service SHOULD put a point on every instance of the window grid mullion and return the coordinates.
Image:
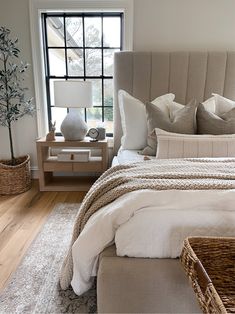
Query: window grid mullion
(102, 65)
(121, 30)
(65, 46)
(84, 55)
(80, 77)
(81, 47)
(47, 68)
(88, 14)
(65, 52)
(51, 106)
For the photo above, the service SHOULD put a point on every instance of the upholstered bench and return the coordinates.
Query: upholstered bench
(131, 285)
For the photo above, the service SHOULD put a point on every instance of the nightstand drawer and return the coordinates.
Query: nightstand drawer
(57, 166)
(91, 166)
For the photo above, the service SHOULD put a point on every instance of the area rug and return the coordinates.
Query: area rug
(34, 287)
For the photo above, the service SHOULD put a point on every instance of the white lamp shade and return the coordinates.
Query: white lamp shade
(73, 94)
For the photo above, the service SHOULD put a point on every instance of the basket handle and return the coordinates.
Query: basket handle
(203, 278)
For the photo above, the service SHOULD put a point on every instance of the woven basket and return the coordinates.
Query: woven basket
(15, 179)
(210, 265)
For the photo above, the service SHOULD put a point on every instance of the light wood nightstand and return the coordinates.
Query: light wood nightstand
(49, 165)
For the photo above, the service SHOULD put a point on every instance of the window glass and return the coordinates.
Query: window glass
(92, 31)
(111, 32)
(94, 116)
(57, 62)
(108, 118)
(108, 61)
(96, 92)
(75, 62)
(55, 31)
(74, 32)
(58, 115)
(93, 62)
(108, 92)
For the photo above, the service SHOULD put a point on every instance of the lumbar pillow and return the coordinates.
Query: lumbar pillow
(133, 119)
(172, 145)
(181, 120)
(216, 116)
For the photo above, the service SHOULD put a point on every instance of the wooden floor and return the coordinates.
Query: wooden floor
(21, 218)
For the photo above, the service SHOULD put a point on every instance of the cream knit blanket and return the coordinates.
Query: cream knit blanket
(171, 174)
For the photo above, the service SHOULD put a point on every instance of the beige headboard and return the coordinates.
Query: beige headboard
(147, 75)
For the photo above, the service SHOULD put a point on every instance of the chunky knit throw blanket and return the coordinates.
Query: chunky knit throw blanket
(171, 174)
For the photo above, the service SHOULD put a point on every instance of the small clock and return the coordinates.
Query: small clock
(94, 134)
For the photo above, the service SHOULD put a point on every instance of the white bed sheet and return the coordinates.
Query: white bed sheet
(125, 156)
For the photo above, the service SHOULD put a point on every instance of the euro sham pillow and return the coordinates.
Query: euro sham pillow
(133, 119)
(182, 120)
(216, 116)
(172, 145)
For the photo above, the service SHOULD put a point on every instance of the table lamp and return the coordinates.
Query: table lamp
(73, 94)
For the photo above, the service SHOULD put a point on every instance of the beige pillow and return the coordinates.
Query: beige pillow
(172, 145)
(182, 121)
(211, 123)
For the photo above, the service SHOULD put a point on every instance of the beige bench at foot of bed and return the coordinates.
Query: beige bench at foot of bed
(138, 285)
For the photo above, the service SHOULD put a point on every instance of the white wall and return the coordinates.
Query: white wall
(158, 25)
(184, 24)
(15, 15)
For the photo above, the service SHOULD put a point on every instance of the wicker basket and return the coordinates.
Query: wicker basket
(210, 265)
(15, 179)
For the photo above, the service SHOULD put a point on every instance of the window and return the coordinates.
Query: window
(81, 46)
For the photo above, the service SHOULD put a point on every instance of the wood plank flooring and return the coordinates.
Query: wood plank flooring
(21, 218)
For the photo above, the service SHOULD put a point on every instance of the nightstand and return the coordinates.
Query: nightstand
(55, 175)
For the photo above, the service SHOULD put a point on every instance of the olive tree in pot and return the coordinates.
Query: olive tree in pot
(15, 172)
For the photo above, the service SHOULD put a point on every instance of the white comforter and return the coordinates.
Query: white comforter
(149, 223)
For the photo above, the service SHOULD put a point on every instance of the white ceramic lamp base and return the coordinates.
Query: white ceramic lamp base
(73, 127)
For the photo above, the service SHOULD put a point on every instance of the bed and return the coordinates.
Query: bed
(146, 283)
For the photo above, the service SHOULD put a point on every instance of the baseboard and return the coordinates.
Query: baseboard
(34, 172)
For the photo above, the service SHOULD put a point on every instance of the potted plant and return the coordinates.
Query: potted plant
(15, 172)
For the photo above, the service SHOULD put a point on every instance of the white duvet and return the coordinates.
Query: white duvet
(149, 223)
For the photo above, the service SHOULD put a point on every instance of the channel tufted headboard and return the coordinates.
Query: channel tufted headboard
(147, 75)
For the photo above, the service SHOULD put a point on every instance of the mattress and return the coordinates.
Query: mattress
(125, 156)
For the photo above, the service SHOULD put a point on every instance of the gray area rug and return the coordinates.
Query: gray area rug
(34, 287)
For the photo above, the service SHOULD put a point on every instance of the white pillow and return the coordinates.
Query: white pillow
(162, 102)
(170, 108)
(209, 104)
(133, 119)
(218, 104)
(174, 145)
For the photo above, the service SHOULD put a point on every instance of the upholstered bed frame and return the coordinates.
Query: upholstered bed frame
(158, 285)
(147, 75)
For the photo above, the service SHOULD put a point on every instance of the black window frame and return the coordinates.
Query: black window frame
(101, 77)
